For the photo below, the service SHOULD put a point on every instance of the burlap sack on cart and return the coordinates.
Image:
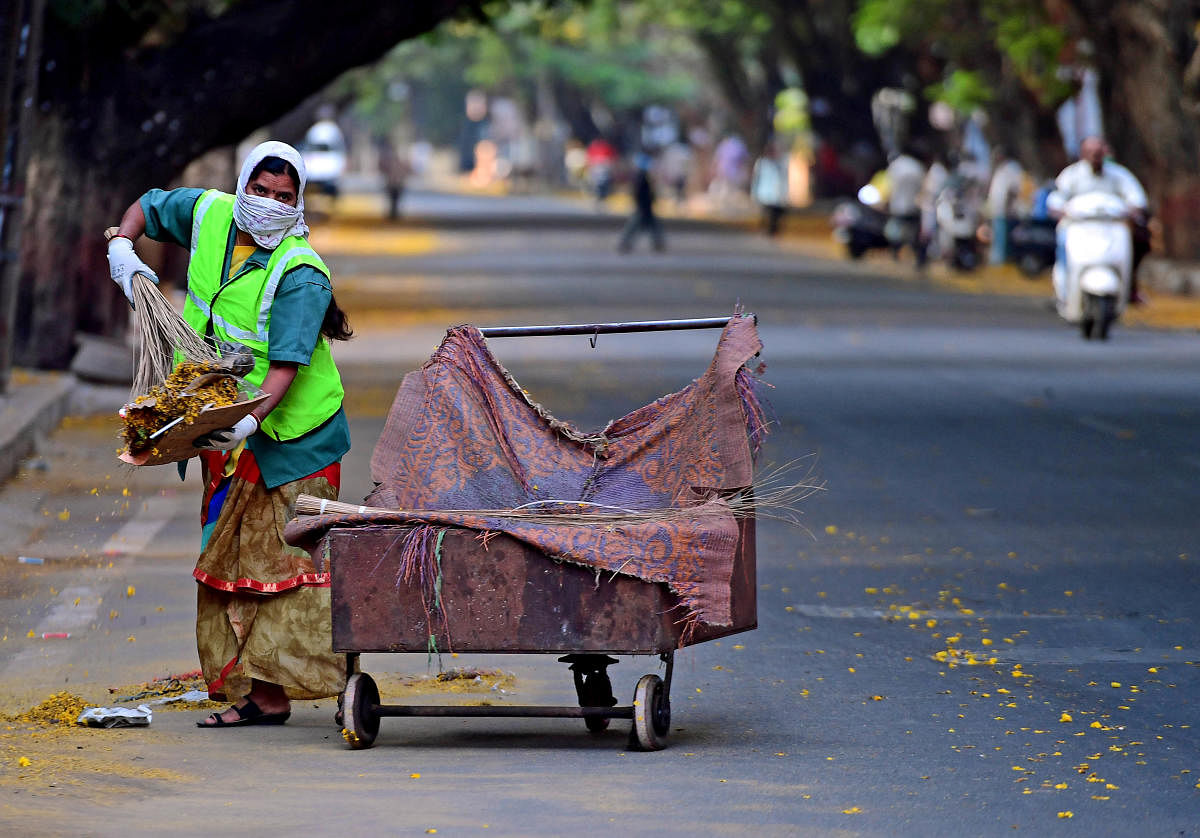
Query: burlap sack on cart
(463, 435)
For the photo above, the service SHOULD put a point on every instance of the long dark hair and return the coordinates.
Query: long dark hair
(335, 325)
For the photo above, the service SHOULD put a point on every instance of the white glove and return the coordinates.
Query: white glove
(123, 263)
(228, 438)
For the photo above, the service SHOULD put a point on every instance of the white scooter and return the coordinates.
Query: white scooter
(1092, 288)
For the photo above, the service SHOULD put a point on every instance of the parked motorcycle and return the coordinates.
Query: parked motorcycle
(1092, 288)
(957, 213)
(859, 224)
(1032, 245)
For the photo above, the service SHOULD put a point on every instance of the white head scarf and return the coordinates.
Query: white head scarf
(266, 220)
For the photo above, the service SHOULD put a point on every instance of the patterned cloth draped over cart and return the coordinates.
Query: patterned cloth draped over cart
(463, 435)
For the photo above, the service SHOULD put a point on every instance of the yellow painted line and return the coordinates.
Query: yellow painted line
(372, 240)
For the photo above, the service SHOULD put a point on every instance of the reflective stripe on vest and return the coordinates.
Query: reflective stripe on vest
(316, 392)
(268, 298)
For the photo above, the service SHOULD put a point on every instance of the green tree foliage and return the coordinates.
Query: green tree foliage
(609, 55)
(975, 45)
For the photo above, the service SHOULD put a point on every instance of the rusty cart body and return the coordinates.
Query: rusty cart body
(508, 597)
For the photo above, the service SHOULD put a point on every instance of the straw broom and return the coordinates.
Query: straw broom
(775, 498)
(161, 332)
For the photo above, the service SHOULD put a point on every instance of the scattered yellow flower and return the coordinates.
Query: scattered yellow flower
(24, 762)
(414, 776)
(1066, 717)
(853, 810)
(130, 591)
(1060, 786)
(1066, 814)
(65, 515)
(830, 529)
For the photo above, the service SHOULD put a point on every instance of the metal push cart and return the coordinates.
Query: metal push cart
(521, 601)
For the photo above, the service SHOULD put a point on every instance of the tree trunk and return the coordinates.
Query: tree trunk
(116, 118)
(1143, 48)
(64, 284)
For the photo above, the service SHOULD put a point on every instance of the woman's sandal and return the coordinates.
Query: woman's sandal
(250, 714)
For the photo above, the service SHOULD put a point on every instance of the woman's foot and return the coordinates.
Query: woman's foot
(265, 704)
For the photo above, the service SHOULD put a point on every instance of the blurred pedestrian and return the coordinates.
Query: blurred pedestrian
(931, 189)
(905, 176)
(601, 162)
(256, 286)
(643, 218)
(1002, 197)
(769, 186)
(730, 161)
(395, 171)
(674, 165)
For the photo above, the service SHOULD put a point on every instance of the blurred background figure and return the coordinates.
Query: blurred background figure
(601, 168)
(730, 162)
(931, 188)
(395, 170)
(1003, 196)
(769, 186)
(958, 209)
(643, 218)
(905, 174)
(674, 166)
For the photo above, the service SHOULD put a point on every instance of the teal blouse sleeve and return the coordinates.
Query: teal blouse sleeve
(169, 214)
(296, 315)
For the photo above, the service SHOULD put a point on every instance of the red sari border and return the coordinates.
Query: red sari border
(312, 580)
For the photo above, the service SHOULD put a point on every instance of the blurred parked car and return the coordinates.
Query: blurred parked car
(324, 153)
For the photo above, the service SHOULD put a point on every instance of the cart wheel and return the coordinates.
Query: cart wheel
(592, 686)
(651, 713)
(361, 721)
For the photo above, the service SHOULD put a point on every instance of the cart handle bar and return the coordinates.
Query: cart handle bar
(607, 328)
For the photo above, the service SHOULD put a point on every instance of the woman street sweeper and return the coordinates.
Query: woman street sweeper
(254, 285)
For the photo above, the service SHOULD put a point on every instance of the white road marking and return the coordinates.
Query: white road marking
(76, 608)
(1104, 427)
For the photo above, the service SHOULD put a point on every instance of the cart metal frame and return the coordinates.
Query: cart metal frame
(365, 621)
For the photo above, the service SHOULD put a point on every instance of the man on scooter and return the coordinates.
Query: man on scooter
(1094, 172)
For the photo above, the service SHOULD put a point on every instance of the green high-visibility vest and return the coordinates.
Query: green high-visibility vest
(239, 312)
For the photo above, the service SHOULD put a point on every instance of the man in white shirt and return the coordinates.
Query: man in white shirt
(1093, 172)
(905, 175)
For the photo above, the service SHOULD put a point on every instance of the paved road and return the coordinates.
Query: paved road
(986, 624)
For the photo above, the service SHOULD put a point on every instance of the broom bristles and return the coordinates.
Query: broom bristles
(161, 331)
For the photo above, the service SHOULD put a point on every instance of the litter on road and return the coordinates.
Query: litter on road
(140, 716)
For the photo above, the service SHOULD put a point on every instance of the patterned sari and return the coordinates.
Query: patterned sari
(262, 607)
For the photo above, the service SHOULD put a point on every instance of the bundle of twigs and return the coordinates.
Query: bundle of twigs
(161, 331)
